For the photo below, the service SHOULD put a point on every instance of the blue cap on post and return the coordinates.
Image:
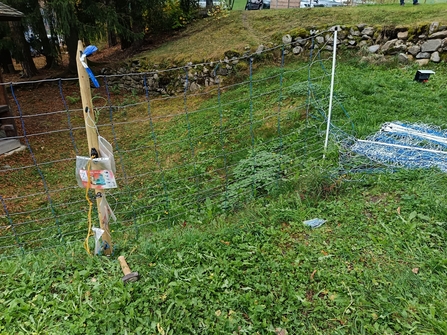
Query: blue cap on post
(87, 52)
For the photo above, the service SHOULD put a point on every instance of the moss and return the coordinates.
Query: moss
(299, 32)
(231, 53)
(241, 66)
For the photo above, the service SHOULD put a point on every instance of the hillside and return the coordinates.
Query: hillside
(208, 39)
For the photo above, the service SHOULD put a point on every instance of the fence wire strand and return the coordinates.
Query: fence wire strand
(177, 156)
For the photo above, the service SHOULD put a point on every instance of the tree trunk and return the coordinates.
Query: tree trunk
(6, 61)
(72, 47)
(111, 38)
(25, 59)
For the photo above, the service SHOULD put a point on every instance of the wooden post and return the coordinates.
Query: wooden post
(92, 140)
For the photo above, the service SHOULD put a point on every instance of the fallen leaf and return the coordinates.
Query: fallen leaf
(280, 331)
(160, 329)
(415, 270)
(218, 312)
(313, 274)
(398, 210)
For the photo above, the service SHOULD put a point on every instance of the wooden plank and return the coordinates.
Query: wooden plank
(92, 139)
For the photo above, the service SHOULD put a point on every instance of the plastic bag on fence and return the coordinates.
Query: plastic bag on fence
(106, 151)
(101, 174)
(98, 233)
(106, 211)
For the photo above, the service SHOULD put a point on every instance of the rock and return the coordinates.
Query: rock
(368, 31)
(330, 39)
(433, 27)
(431, 45)
(435, 58)
(402, 58)
(439, 34)
(388, 45)
(423, 55)
(301, 41)
(414, 50)
(374, 48)
(363, 43)
(193, 87)
(354, 32)
(361, 26)
(366, 37)
(403, 35)
(352, 42)
(422, 62)
(297, 50)
(320, 39)
(286, 39)
(260, 49)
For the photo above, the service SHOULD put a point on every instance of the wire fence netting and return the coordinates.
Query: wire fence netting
(178, 157)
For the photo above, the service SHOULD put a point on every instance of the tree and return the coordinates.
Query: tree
(22, 52)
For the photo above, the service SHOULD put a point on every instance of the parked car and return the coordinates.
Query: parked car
(320, 3)
(202, 3)
(257, 4)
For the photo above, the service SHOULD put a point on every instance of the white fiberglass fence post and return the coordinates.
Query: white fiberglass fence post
(328, 126)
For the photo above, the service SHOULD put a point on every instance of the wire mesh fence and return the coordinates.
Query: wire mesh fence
(179, 158)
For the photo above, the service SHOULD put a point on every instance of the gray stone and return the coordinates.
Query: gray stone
(435, 58)
(286, 39)
(194, 87)
(433, 27)
(423, 55)
(366, 37)
(320, 39)
(439, 34)
(301, 41)
(431, 45)
(260, 49)
(363, 43)
(414, 50)
(403, 35)
(402, 58)
(297, 50)
(388, 45)
(422, 62)
(374, 48)
(361, 26)
(368, 31)
(354, 32)
(352, 42)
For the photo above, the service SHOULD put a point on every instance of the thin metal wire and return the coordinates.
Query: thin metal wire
(44, 182)
(120, 155)
(149, 191)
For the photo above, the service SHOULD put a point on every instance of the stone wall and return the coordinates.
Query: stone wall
(422, 44)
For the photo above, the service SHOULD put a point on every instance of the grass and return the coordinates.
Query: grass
(241, 29)
(377, 266)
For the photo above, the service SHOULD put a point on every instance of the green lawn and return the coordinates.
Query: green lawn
(376, 266)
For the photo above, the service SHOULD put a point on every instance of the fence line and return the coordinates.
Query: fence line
(178, 157)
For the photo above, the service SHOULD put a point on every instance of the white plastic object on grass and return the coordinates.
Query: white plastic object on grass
(314, 223)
